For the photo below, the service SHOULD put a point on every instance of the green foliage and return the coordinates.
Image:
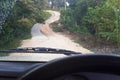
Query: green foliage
(17, 26)
(103, 20)
(98, 17)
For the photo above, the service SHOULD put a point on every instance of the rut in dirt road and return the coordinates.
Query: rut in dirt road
(43, 36)
(36, 33)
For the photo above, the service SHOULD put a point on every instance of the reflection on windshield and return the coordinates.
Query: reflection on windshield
(86, 26)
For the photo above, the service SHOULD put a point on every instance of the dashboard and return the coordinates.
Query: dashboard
(13, 70)
(89, 76)
(79, 67)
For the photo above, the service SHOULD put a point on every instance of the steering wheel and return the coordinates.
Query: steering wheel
(80, 63)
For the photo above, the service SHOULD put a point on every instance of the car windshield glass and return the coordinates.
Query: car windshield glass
(62, 27)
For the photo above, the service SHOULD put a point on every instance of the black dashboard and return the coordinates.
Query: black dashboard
(80, 67)
(89, 76)
(13, 70)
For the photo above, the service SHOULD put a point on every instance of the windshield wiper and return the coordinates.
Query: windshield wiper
(40, 50)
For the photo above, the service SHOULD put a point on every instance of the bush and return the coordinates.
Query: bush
(100, 18)
(17, 25)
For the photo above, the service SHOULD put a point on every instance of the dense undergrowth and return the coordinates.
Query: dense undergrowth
(100, 18)
(18, 24)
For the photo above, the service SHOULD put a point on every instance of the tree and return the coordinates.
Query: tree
(17, 25)
(100, 17)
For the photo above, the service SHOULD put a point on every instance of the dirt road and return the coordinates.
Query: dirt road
(43, 36)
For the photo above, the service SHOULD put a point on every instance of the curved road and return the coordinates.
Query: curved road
(55, 40)
(55, 17)
(35, 31)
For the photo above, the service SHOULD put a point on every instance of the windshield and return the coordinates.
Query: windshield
(84, 26)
